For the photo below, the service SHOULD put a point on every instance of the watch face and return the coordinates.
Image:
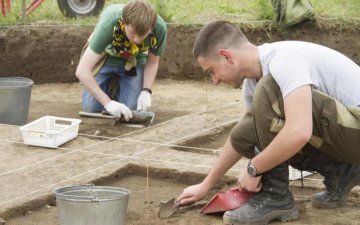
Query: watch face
(251, 170)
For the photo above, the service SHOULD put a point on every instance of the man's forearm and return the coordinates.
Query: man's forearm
(150, 71)
(85, 75)
(90, 84)
(285, 145)
(228, 157)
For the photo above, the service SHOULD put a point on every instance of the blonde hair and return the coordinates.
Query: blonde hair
(140, 15)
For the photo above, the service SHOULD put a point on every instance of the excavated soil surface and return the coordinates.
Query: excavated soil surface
(173, 100)
(49, 54)
(148, 193)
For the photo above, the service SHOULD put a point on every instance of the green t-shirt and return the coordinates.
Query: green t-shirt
(103, 37)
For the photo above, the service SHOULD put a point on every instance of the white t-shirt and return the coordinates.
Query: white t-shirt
(295, 63)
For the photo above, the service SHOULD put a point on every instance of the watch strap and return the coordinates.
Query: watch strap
(252, 171)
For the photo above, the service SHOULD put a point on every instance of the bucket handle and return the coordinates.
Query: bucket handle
(93, 197)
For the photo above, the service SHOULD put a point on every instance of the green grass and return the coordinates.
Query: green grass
(188, 11)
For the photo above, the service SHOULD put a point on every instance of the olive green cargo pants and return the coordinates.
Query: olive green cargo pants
(336, 128)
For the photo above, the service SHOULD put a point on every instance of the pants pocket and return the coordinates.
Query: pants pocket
(328, 120)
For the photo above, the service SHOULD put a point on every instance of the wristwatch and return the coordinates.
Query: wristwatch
(251, 169)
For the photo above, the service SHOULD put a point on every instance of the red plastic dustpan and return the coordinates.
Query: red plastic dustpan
(224, 201)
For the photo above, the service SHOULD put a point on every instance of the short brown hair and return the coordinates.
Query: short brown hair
(215, 35)
(140, 15)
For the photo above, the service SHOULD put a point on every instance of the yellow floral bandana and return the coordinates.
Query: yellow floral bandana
(123, 48)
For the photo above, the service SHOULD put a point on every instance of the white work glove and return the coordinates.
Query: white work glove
(116, 109)
(144, 101)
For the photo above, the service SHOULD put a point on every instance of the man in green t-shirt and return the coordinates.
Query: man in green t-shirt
(129, 39)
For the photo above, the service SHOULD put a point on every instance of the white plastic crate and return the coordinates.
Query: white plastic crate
(50, 131)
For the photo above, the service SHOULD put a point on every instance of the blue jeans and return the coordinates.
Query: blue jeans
(128, 87)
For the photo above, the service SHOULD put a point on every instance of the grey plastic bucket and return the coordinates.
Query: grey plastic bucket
(15, 94)
(92, 205)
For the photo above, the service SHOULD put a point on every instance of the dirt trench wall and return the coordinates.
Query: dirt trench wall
(51, 53)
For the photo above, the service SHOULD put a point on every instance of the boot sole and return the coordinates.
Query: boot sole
(280, 215)
(327, 205)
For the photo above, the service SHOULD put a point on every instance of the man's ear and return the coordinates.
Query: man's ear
(227, 55)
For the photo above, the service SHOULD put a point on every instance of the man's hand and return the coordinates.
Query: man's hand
(249, 183)
(116, 109)
(192, 194)
(144, 101)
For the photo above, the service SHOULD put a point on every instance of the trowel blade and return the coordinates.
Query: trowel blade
(168, 209)
(139, 119)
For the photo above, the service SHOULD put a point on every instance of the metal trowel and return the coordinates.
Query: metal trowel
(139, 119)
(168, 208)
(171, 207)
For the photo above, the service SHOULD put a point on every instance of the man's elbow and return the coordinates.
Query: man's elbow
(79, 74)
(304, 135)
